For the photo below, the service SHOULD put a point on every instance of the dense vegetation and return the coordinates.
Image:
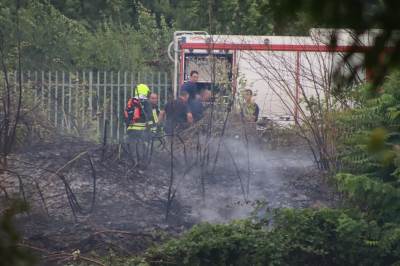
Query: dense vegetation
(365, 230)
(51, 40)
(295, 237)
(122, 35)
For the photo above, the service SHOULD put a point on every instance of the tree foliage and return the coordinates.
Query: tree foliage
(370, 151)
(51, 40)
(360, 15)
(125, 34)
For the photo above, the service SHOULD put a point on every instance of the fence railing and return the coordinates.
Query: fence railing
(89, 103)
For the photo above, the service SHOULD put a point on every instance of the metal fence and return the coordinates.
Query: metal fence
(89, 103)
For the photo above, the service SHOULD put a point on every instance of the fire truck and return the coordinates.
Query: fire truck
(280, 70)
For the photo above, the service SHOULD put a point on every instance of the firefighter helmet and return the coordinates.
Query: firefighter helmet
(142, 90)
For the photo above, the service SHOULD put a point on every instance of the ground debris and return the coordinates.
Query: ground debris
(129, 204)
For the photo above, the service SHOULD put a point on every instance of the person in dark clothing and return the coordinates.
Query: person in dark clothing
(177, 114)
(191, 86)
(196, 108)
(197, 105)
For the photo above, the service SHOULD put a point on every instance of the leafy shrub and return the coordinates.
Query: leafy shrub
(10, 252)
(297, 237)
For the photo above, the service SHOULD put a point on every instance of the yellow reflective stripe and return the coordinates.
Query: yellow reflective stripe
(142, 124)
(155, 116)
(139, 126)
(136, 128)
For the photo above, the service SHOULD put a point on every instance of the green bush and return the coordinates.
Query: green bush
(370, 152)
(295, 237)
(10, 252)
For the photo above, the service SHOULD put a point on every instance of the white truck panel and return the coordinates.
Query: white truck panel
(279, 79)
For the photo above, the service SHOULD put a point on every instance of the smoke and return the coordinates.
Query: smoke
(244, 178)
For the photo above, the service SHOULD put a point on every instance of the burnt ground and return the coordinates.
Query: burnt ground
(129, 205)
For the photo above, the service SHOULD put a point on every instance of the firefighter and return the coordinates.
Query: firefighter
(138, 117)
(157, 131)
(153, 98)
(139, 112)
(250, 109)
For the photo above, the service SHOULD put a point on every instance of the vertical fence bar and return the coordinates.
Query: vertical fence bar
(104, 101)
(125, 93)
(15, 82)
(69, 100)
(42, 91)
(77, 100)
(118, 107)
(63, 101)
(90, 93)
(29, 82)
(22, 82)
(36, 92)
(112, 105)
(83, 89)
(152, 81)
(9, 76)
(165, 88)
(49, 97)
(35, 95)
(56, 101)
(125, 96)
(159, 86)
(136, 79)
(98, 104)
(132, 85)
